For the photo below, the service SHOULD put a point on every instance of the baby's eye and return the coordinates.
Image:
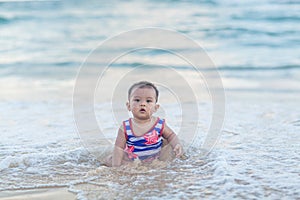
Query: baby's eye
(149, 101)
(136, 100)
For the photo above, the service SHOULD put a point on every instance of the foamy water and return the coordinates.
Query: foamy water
(257, 155)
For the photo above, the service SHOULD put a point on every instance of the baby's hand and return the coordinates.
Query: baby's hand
(178, 150)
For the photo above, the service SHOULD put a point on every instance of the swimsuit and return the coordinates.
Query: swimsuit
(147, 146)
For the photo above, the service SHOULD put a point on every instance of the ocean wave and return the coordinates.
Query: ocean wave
(4, 20)
(227, 31)
(273, 19)
(18, 18)
(31, 161)
(260, 68)
(30, 4)
(220, 68)
(69, 69)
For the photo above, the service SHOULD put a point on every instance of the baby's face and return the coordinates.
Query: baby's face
(142, 103)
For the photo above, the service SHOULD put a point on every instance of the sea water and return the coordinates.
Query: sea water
(254, 45)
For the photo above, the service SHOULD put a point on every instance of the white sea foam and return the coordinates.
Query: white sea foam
(257, 154)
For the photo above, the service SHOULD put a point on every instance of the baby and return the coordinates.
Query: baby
(142, 136)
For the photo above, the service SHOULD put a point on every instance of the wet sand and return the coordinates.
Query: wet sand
(37, 194)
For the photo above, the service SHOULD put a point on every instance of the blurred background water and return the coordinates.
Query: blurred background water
(254, 44)
(253, 35)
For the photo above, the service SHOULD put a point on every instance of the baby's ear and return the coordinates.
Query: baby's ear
(128, 106)
(157, 107)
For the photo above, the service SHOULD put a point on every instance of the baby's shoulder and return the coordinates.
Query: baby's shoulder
(121, 128)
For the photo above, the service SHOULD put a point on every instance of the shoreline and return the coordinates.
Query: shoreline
(36, 194)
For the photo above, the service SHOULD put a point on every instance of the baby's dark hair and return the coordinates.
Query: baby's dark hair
(143, 84)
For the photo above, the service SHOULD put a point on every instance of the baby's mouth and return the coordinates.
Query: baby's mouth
(142, 110)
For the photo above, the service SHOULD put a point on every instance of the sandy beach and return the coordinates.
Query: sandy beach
(37, 194)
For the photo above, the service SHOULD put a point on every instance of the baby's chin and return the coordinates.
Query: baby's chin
(142, 117)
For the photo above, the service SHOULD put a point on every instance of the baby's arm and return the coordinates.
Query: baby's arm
(172, 139)
(119, 149)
